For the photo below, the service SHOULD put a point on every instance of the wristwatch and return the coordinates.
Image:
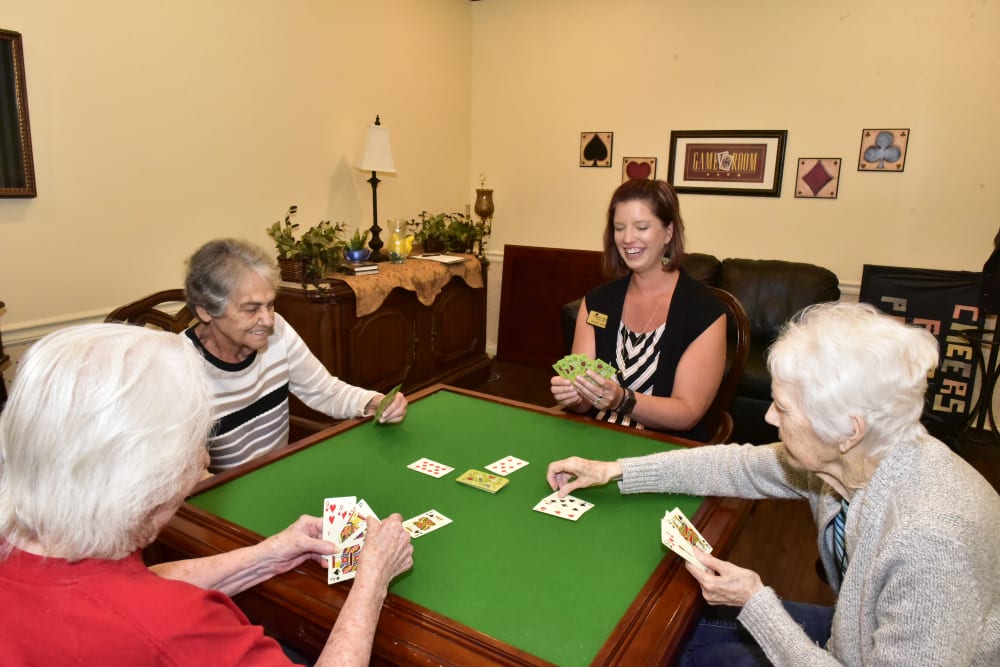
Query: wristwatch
(627, 404)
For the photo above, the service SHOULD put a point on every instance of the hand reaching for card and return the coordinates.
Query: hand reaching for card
(574, 473)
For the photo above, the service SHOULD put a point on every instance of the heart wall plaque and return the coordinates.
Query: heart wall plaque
(639, 167)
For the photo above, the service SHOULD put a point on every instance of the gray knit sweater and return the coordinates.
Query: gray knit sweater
(923, 585)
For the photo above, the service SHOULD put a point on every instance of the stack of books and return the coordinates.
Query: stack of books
(359, 268)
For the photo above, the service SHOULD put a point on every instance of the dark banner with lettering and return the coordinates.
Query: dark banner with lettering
(947, 303)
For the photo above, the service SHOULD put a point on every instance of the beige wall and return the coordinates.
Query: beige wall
(159, 125)
(545, 71)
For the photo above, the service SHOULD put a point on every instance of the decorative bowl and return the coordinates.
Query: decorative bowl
(356, 256)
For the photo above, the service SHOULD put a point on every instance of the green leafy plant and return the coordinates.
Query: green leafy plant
(320, 247)
(452, 232)
(358, 241)
(283, 235)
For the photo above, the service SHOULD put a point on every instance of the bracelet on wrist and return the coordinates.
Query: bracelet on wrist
(627, 404)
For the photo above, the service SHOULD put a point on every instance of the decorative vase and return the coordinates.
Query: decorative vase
(400, 241)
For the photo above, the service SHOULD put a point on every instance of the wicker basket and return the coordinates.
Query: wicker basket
(292, 270)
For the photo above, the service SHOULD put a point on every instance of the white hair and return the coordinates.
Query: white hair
(106, 424)
(850, 360)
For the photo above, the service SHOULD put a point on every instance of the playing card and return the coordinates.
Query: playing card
(386, 402)
(673, 541)
(574, 365)
(335, 514)
(567, 507)
(506, 465)
(428, 467)
(687, 530)
(425, 523)
(344, 564)
(357, 523)
(482, 480)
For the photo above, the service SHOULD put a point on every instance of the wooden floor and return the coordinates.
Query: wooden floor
(778, 540)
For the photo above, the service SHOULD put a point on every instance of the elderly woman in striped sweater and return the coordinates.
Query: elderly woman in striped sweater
(254, 359)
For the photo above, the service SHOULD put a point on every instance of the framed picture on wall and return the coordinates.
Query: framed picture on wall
(727, 162)
(595, 149)
(638, 167)
(818, 177)
(17, 166)
(883, 150)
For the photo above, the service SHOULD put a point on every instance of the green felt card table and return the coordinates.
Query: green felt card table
(502, 584)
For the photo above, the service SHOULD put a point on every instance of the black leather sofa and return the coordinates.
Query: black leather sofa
(771, 292)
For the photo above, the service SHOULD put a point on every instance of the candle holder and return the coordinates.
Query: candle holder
(484, 209)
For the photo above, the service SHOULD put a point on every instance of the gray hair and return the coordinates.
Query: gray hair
(850, 360)
(217, 268)
(106, 425)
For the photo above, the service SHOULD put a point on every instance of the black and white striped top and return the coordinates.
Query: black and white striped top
(636, 357)
(250, 398)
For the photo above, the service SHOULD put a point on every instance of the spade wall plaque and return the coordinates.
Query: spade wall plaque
(595, 149)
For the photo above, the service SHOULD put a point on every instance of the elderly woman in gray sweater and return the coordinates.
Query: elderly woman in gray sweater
(917, 569)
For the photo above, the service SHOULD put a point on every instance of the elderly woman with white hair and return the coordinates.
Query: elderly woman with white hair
(102, 439)
(907, 529)
(254, 359)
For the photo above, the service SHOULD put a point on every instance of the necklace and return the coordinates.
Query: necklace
(656, 309)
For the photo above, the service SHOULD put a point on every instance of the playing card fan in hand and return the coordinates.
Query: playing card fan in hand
(385, 403)
(345, 523)
(574, 365)
(680, 536)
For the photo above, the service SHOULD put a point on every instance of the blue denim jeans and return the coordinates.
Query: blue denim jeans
(719, 639)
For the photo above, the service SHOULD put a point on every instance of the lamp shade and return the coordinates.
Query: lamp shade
(377, 155)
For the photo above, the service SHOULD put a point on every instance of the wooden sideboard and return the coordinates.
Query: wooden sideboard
(403, 340)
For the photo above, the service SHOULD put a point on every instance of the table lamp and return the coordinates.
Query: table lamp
(377, 157)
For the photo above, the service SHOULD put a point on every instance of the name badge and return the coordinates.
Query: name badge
(597, 319)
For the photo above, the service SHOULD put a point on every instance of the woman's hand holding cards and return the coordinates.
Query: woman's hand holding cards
(724, 583)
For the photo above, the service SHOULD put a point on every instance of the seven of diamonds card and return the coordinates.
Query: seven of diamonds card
(506, 465)
(481, 480)
(567, 507)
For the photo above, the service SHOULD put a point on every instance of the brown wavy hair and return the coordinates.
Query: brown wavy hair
(661, 199)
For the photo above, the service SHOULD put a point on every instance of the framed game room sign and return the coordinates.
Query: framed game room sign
(727, 162)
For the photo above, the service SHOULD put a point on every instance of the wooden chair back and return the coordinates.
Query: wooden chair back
(738, 335)
(159, 310)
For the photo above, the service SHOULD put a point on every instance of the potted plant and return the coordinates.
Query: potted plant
(292, 267)
(445, 232)
(318, 250)
(356, 250)
(322, 247)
